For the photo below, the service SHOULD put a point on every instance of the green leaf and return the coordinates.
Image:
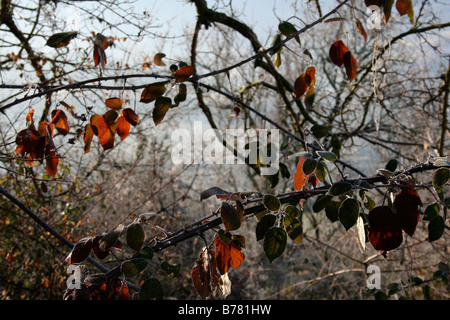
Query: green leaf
(276, 40)
(274, 243)
(162, 105)
(322, 202)
(392, 165)
(321, 171)
(132, 267)
(292, 211)
(147, 253)
(349, 212)
(319, 131)
(332, 211)
(309, 165)
(172, 270)
(287, 29)
(327, 155)
(440, 177)
(340, 188)
(284, 171)
(61, 39)
(431, 212)
(271, 202)
(151, 289)
(135, 236)
(436, 228)
(264, 224)
(231, 218)
(294, 228)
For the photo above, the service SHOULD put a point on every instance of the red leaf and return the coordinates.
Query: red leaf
(406, 209)
(114, 103)
(184, 73)
(51, 162)
(227, 255)
(123, 127)
(300, 86)
(30, 145)
(59, 119)
(337, 51)
(130, 116)
(384, 231)
(350, 65)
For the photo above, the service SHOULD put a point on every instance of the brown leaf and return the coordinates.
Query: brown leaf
(361, 29)
(158, 59)
(300, 86)
(130, 116)
(350, 65)
(337, 51)
(204, 274)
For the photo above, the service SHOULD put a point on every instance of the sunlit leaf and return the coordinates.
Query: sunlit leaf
(204, 275)
(300, 178)
(293, 228)
(123, 127)
(59, 119)
(227, 255)
(114, 103)
(184, 73)
(109, 240)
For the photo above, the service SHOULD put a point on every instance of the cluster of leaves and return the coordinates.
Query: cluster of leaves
(154, 92)
(98, 286)
(37, 144)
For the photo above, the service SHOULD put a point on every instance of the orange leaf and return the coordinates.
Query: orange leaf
(123, 127)
(59, 119)
(227, 255)
(184, 73)
(300, 179)
(337, 51)
(98, 124)
(350, 65)
(130, 116)
(114, 103)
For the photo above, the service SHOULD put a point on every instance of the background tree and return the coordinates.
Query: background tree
(345, 92)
